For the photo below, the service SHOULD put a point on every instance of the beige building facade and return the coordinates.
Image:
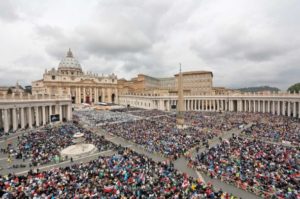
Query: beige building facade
(194, 83)
(69, 79)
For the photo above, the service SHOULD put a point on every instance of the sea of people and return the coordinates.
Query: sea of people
(268, 170)
(98, 118)
(160, 134)
(255, 161)
(44, 145)
(157, 136)
(123, 175)
(276, 129)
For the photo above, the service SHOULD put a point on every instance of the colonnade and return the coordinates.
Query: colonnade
(289, 105)
(21, 114)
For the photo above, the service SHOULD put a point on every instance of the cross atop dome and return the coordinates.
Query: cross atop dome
(70, 54)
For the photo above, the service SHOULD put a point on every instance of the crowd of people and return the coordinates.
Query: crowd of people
(123, 175)
(160, 133)
(44, 146)
(276, 129)
(156, 136)
(250, 161)
(98, 118)
(148, 113)
(253, 165)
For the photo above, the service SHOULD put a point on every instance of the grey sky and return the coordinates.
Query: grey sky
(244, 43)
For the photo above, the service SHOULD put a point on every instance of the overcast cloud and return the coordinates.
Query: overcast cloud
(244, 43)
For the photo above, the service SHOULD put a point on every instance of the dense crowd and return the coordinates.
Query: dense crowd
(250, 163)
(149, 113)
(155, 136)
(43, 146)
(275, 128)
(263, 168)
(160, 133)
(219, 121)
(97, 118)
(124, 175)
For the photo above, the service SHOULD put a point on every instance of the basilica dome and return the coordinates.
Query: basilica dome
(69, 61)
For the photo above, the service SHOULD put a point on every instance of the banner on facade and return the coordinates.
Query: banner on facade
(54, 118)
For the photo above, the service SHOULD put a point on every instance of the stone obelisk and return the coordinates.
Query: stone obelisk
(180, 107)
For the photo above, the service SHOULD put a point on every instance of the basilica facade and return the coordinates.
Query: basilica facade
(69, 79)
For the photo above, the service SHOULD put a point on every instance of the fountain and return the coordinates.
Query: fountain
(79, 148)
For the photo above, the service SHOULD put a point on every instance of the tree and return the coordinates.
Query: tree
(294, 88)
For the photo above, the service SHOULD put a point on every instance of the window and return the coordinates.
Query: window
(53, 77)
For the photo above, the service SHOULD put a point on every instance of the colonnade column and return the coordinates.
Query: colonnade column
(264, 110)
(283, 108)
(1, 120)
(60, 113)
(298, 109)
(44, 114)
(278, 107)
(273, 107)
(37, 118)
(289, 108)
(29, 115)
(22, 118)
(294, 109)
(5, 120)
(50, 110)
(15, 122)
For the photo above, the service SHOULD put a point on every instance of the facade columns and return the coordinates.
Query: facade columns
(264, 108)
(96, 96)
(278, 107)
(69, 113)
(103, 95)
(79, 95)
(84, 95)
